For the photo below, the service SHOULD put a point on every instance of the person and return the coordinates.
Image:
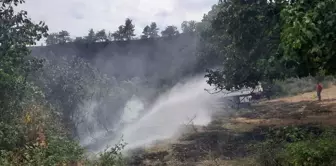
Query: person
(319, 90)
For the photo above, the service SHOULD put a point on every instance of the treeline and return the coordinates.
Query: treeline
(125, 32)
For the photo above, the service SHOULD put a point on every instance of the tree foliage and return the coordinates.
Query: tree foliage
(170, 31)
(154, 30)
(52, 39)
(64, 36)
(245, 36)
(308, 34)
(145, 32)
(118, 35)
(128, 30)
(260, 41)
(206, 50)
(29, 131)
(91, 37)
(101, 36)
(150, 31)
(79, 40)
(61, 37)
(189, 26)
(16, 32)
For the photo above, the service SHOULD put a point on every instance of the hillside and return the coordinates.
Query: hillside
(236, 137)
(153, 59)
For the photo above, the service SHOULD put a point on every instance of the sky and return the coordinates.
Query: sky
(78, 16)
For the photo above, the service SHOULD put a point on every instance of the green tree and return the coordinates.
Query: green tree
(206, 50)
(79, 40)
(58, 38)
(110, 36)
(188, 26)
(30, 133)
(170, 31)
(101, 36)
(245, 37)
(145, 32)
(17, 32)
(128, 31)
(154, 30)
(64, 37)
(308, 36)
(52, 39)
(91, 37)
(64, 83)
(119, 34)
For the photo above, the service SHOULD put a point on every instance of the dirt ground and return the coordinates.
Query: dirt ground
(300, 109)
(226, 140)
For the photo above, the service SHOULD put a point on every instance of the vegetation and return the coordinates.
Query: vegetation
(32, 132)
(298, 146)
(307, 36)
(188, 26)
(124, 33)
(296, 86)
(286, 44)
(263, 41)
(284, 132)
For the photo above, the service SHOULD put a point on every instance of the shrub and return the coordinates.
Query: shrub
(37, 139)
(319, 152)
(111, 157)
(298, 146)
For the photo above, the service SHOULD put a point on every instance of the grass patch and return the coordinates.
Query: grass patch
(295, 86)
(297, 146)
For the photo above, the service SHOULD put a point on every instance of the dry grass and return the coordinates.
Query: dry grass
(159, 147)
(297, 110)
(327, 94)
(219, 162)
(300, 109)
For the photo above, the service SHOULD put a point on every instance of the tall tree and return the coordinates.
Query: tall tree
(247, 48)
(154, 30)
(119, 34)
(52, 39)
(145, 32)
(17, 33)
(101, 36)
(63, 37)
(170, 31)
(188, 26)
(91, 37)
(207, 52)
(308, 36)
(128, 31)
(110, 36)
(58, 38)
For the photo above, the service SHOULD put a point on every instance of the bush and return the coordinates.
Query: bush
(298, 146)
(58, 152)
(319, 152)
(37, 139)
(111, 157)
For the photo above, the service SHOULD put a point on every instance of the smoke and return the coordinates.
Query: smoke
(167, 115)
(130, 84)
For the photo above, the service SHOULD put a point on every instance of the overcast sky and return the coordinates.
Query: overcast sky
(78, 16)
